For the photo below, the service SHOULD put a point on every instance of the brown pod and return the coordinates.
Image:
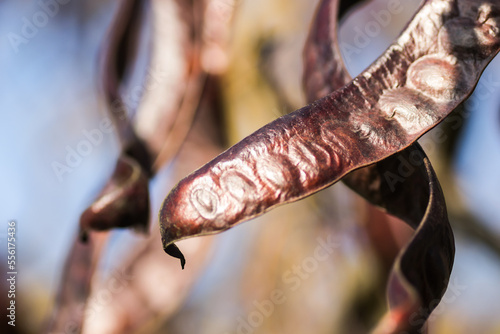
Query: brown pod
(124, 201)
(379, 113)
(116, 57)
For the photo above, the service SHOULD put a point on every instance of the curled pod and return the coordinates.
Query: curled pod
(346, 130)
(124, 201)
(404, 185)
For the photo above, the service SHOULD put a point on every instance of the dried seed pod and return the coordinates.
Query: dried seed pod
(124, 201)
(116, 56)
(348, 125)
(76, 284)
(324, 69)
(116, 60)
(175, 78)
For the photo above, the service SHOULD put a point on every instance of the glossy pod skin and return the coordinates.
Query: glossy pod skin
(414, 85)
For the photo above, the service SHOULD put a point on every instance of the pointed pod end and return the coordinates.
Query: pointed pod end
(174, 251)
(83, 236)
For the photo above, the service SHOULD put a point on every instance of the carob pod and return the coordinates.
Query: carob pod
(413, 86)
(124, 201)
(144, 154)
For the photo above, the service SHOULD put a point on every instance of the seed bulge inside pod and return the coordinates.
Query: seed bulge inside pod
(206, 202)
(438, 76)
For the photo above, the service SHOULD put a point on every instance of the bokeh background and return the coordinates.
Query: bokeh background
(261, 276)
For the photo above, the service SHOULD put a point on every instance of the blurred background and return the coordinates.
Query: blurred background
(263, 276)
